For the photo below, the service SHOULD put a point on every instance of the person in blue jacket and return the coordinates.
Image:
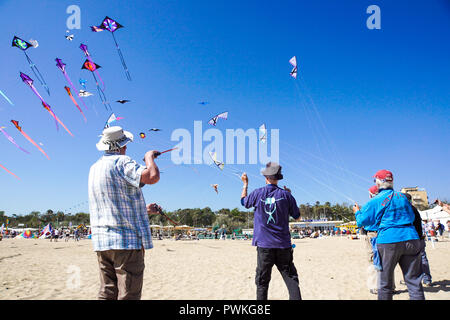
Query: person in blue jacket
(397, 240)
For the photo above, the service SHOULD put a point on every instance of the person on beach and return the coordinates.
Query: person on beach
(426, 280)
(397, 240)
(119, 216)
(271, 236)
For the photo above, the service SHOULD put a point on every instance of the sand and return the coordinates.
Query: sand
(329, 268)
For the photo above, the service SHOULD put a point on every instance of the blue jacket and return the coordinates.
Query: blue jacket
(391, 214)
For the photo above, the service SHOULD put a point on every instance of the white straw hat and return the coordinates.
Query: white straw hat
(113, 138)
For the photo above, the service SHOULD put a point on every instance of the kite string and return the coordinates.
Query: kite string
(121, 58)
(37, 73)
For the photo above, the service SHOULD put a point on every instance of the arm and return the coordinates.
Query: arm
(244, 179)
(150, 175)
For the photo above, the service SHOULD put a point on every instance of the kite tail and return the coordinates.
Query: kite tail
(76, 104)
(7, 99)
(73, 88)
(124, 65)
(12, 140)
(102, 94)
(37, 73)
(9, 171)
(34, 143)
(57, 119)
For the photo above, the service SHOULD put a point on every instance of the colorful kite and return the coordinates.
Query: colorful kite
(112, 25)
(82, 82)
(84, 94)
(213, 121)
(93, 67)
(11, 139)
(6, 98)
(16, 124)
(142, 135)
(11, 174)
(293, 62)
(215, 186)
(219, 164)
(111, 119)
(62, 66)
(263, 133)
(29, 82)
(23, 45)
(73, 100)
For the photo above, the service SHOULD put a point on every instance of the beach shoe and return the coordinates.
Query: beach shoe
(427, 284)
(373, 291)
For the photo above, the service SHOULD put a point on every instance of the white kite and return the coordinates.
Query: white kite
(223, 115)
(219, 164)
(263, 133)
(84, 93)
(293, 62)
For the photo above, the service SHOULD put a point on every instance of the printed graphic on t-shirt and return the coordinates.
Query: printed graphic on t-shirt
(270, 208)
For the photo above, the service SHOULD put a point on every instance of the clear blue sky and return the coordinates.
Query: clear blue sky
(382, 95)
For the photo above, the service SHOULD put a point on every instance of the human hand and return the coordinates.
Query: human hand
(244, 178)
(153, 208)
(287, 189)
(152, 154)
(356, 208)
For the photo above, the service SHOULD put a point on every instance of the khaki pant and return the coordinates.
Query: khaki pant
(121, 274)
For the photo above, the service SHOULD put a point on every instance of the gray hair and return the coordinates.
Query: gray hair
(383, 184)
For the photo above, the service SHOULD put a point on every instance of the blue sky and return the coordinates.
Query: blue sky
(374, 99)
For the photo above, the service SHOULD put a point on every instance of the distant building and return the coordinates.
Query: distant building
(419, 197)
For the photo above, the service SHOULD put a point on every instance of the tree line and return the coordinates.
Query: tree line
(197, 217)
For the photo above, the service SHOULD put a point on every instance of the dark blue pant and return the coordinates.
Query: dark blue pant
(408, 255)
(425, 264)
(283, 259)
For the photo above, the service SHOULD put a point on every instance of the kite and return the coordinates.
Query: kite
(29, 82)
(215, 187)
(293, 62)
(62, 66)
(111, 119)
(263, 133)
(16, 124)
(92, 66)
(6, 98)
(154, 129)
(112, 25)
(11, 174)
(123, 101)
(23, 45)
(84, 94)
(219, 164)
(12, 140)
(82, 82)
(203, 103)
(213, 121)
(73, 100)
(142, 135)
(69, 36)
(34, 43)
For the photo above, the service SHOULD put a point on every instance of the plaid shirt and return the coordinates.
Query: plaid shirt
(118, 214)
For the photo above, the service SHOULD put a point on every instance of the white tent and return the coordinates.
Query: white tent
(436, 213)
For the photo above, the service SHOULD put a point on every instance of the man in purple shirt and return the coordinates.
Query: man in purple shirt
(273, 207)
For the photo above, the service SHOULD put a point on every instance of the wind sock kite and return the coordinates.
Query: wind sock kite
(112, 25)
(73, 100)
(11, 139)
(293, 62)
(7, 99)
(23, 45)
(213, 121)
(16, 124)
(263, 133)
(9, 171)
(29, 82)
(62, 66)
(111, 119)
(93, 67)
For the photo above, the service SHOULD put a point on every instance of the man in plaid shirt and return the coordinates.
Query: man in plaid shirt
(118, 215)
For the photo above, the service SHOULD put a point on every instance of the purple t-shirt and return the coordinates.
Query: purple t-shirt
(273, 206)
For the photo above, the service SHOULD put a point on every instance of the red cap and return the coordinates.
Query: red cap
(373, 189)
(384, 175)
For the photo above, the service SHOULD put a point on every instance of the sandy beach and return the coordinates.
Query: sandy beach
(329, 268)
